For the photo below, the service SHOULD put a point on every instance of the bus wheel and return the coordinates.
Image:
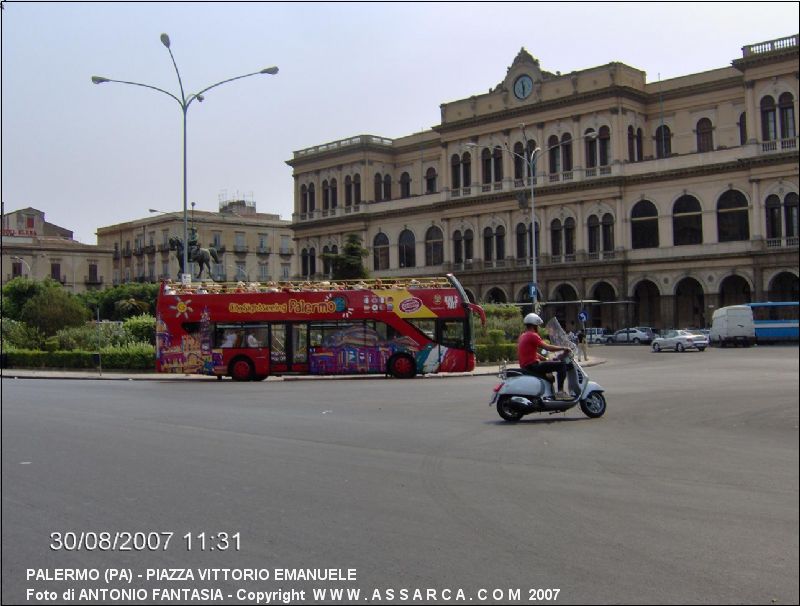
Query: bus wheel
(402, 366)
(241, 369)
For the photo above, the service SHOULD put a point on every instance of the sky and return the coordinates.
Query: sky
(95, 155)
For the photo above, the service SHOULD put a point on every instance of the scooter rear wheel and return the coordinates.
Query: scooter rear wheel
(507, 414)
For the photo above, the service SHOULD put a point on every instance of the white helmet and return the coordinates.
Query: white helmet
(532, 319)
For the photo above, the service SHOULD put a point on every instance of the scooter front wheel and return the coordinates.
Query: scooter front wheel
(594, 405)
(507, 413)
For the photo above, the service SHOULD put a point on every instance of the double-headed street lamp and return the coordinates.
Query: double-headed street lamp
(530, 159)
(184, 102)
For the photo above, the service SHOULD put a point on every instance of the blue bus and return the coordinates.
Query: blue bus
(775, 321)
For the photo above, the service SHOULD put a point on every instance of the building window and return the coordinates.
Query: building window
(239, 242)
(555, 155)
(519, 161)
(55, 271)
(591, 148)
(466, 169)
(406, 245)
(285, 247)
(644, 225)
(458, 247)
(334, 194)
(743, 128)
(455, 172)
(380, 252)
(241, 271)
(348, 191)
(773, 209)
(312, 204)
(165, 268)
(488, 244)
(604, 142)
(786, 109)
(608, 232)
(687, 221)
(16, 269)
(326, 262)
(434, 251)
(500, 242)
(304, 263)
(790, 214)
(705, 137)
(566, 152)
(497, 164)
(262, 242)
(263, 272)
(569, 236)
(216, 239)
(312, 261)
(593, 229)
(468, 250)
(555, 238)
(522, 241)
(430, 181)
(378, 187)
(486, 167)
(303, 199)
(326, 195)
(405, 185)
(357, 189)
(285, 269)
(631, 145)
(663, 142)
(769, 131)
(732, 222)
(387, 187)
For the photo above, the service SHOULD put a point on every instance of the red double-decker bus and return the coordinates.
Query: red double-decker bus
(400, 327)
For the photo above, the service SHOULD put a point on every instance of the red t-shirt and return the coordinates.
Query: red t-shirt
(528, 347)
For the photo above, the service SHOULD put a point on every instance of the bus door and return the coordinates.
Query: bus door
(289, 347)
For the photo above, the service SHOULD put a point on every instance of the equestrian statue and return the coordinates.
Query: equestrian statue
(201, 256)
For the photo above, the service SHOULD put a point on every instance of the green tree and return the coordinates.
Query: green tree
(19, 291)
(141, 328)
(347, 265)
(52, 309)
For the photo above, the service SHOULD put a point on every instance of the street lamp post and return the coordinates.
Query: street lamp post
(184, 103)
(24, 262)
(530, 160)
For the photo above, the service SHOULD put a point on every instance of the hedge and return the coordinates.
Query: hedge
(130, 357)
(496, 352)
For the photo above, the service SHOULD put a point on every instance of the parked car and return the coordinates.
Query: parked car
(680, 340)
(596, 335)
(630, 335)
(649, 330)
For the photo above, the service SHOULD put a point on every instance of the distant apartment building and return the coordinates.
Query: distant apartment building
(659, 200)
(251, 246)
(34, 248)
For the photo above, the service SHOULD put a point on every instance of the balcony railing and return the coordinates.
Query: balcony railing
(768, 47)
(263, 250)
(782, 242)
(240, 248)
(92, 280)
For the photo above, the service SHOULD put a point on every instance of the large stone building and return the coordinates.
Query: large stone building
(252, 246)
(661, 200)
(36, 249)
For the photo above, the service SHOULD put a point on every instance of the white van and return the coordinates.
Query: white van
(732, 325)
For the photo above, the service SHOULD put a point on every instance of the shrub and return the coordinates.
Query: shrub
(141, 328)
(111, 334)
(15, 334)
(51, 309)
(136, 356)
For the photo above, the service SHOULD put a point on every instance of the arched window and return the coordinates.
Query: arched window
(732, 221)
(786, 110)
(405, 185)
(742, 128)
(334, 194)
(357, 189)
(406, 245)
(555, 155)
(312, 261)
(590, 141)
(531, 147)
(522, 241)
(466, 167)
(608, 232)
(644, 225)
(303, 199)
(569, 236)
(387, 187)
(458, 247)
(434, 251)
(769, 129)
(486, 166)
(380, 252)
(631, 145)
(312, 204)
(469, 253)
(500, 242)
(497, 164)
(348, 191)
(593, 229)
(555, 238)
(326, 195)
(304, 263)
(639, 150)
(604, 141)
(663, 142)
(430, 181)
(519, 161)
(773, 209)
(790, 214)
(455, 172)
(566, 152)
(705, 137)
(378, 187)
(488, 244)
(687, 221)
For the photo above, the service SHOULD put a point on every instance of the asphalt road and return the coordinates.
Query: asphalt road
(685, 492)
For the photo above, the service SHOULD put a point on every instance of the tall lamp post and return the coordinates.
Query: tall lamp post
(184, 103)
(530, 160)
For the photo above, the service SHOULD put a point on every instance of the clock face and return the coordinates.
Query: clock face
(523, 87)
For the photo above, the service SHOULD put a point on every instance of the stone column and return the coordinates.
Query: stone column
(752, 110)
(758, 216)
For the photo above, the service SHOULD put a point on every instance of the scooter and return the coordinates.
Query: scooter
(521, 393)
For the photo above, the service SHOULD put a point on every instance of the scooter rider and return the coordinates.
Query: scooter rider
(528, 346)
